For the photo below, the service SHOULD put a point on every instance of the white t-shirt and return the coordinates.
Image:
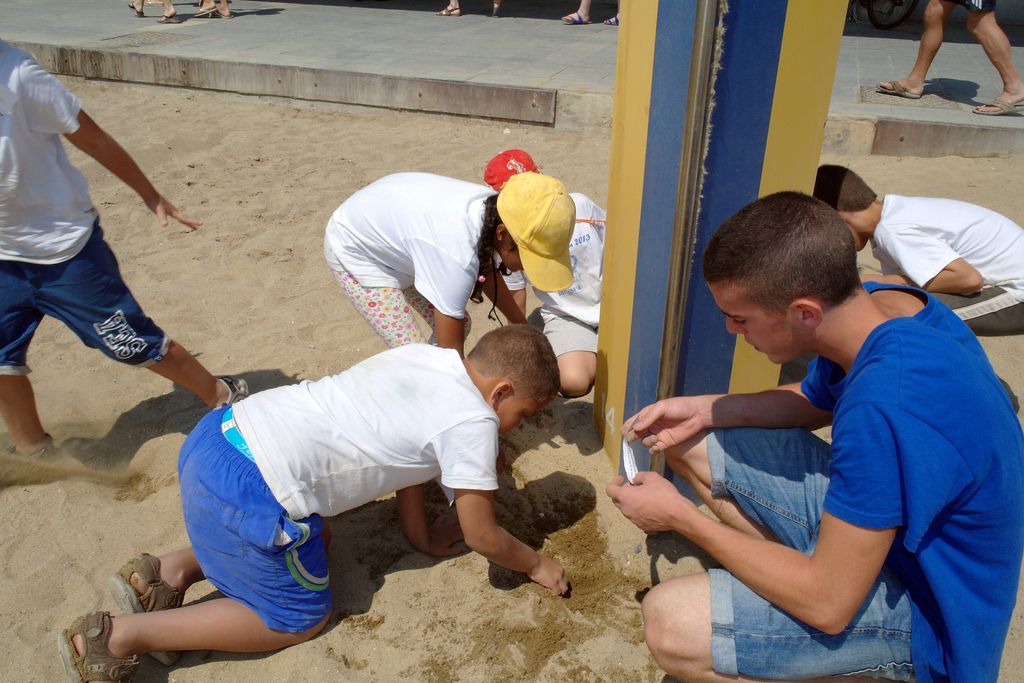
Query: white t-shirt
(397, 419)
(582, 299)
(412, 230)
(919, 236)
(46, 215)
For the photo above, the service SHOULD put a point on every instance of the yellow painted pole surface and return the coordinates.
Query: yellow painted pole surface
(803, 88)
(633, 74)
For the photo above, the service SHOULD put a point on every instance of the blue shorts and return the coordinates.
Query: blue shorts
(87, 294)
(779, 478)
(237, 530)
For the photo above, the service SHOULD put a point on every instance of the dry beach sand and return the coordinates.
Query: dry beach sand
(249, 293)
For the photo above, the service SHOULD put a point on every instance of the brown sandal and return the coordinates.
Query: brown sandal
(450, 11)
(158, 596)
(95, 663)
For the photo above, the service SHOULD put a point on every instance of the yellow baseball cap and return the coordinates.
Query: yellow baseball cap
(540, 216)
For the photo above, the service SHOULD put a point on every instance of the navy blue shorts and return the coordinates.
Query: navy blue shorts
(87, 294)
(246, 544)
(977, 5)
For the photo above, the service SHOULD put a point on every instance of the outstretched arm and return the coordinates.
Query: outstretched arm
(485, 536)
(824, 589)
(98, 144)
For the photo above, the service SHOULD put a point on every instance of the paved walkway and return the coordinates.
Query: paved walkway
(524, 65)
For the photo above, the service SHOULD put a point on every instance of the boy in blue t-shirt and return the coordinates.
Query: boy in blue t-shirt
(894, 551)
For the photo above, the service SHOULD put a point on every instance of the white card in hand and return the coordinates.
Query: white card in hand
(628, 460)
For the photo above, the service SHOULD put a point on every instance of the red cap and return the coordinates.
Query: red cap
(507, 164)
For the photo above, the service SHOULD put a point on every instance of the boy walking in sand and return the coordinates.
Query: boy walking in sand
(257, 479)
(53, 258)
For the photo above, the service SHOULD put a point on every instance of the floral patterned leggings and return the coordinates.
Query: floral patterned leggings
(389, 310)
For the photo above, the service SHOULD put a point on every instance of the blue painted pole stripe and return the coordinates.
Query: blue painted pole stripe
(744, 92)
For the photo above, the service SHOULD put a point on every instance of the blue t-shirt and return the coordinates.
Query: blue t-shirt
(934, 314)
(924, 440)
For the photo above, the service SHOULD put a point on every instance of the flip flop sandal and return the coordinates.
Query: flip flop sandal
(158, 596)
(206, 13)
(169, 20)
(896, 89)
(574, 19)
(95, 663)
(1003, 108)
(450, 11)
(612, 21)
(138, 13)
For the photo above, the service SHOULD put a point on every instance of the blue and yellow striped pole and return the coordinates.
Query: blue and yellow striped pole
(717, 103)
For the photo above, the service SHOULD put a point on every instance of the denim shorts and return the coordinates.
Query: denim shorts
(245, 542)
(87, 294)
(779, 478)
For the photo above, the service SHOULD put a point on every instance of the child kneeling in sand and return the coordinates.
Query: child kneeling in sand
(257, 479)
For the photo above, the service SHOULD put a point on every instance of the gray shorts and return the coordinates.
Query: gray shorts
(565, 332)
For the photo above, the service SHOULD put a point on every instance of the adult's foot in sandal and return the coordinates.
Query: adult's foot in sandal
(206, 12)
(899, 89)
(450, 11)
(171, 19)
(1005, 103)
(136, 6)
(575, 19)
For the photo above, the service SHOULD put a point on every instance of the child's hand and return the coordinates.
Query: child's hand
(163, 208)
(549, 574)
(445, 537)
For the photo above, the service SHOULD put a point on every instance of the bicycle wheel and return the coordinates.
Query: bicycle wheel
(886, 14)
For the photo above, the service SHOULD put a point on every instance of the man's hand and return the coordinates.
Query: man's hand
(163, 208)
(670, 422)
(446, 537)
(549, 574)
(651, 502)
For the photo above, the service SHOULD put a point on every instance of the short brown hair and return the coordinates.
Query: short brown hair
(524, 355)
(842, 189)
(782, 247)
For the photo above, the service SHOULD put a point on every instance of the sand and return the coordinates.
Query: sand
(250, 295)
